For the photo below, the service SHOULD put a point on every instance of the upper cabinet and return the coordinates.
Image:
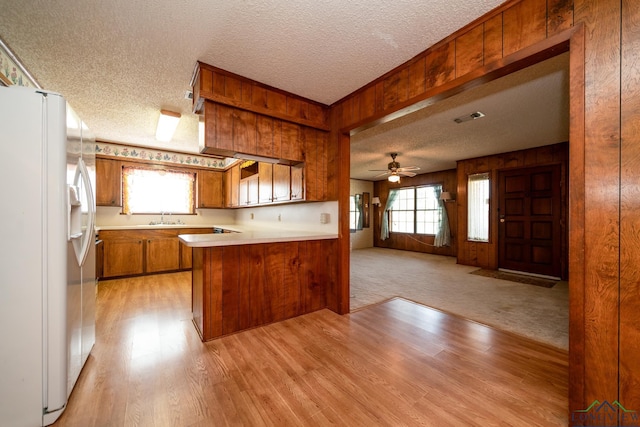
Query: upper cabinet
(223, 87)
(231, 187)
(210, 189)
(229, 131)
(108, 182)
(281, 183)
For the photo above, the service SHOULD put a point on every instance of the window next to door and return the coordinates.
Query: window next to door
(478, 205)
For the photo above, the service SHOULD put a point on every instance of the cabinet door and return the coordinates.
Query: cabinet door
(265, 182)
(163, 254)
(281, 183)
(123, 257)
(243, 193)
(231, 187)
(291, 142)
(297, 182)
(252, 190)
(222, 124)
(244, 132)
(210, 193)
(108, 182)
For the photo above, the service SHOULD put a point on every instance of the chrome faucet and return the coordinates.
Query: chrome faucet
(161, 217)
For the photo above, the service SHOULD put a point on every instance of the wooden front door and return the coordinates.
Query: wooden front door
(530, 233)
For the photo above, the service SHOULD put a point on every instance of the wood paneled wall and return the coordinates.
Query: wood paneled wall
(629, 206)
(417, 242)
(604, 246)
(485, 42)
(483, 254)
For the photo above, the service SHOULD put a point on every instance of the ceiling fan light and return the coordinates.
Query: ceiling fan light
(394, 178)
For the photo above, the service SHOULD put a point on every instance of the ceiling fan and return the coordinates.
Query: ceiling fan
(395, 171)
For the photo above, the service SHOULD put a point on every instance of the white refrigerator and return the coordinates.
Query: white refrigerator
(47, 254)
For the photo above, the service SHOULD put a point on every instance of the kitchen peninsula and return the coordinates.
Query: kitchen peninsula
(250, 278)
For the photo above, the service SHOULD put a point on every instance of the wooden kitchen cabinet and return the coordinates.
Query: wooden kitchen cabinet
(134, 252)
(123, 257)
(162, 254)
(265, 183)
(297, 182)
(274, 181)
(291, 144)
(108, 182)
(232, 187)
(281, 183)
(210, 189)
(249, 191)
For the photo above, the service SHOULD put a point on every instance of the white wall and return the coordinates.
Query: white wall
(292, 216)
(111, 216)
(362, 238)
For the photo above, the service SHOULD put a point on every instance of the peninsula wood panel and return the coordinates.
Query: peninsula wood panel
(630, 206)
(507, 29)
(246, 286)
(224, 87)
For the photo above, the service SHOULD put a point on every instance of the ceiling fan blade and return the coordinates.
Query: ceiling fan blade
(378, 170)
(405, 173)
(381, 174)
(409, 168)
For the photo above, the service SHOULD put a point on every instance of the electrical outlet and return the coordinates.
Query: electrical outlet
(251, 214)
(279, 217)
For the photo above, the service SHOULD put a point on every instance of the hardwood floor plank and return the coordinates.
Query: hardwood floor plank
(396, 363)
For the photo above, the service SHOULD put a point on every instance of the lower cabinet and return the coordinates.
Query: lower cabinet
(136, 252)
(162, 254)
(123, 257)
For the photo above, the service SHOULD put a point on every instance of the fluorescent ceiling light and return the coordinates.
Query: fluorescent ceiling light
(167, 124)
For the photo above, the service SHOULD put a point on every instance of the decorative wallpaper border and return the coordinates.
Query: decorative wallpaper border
(12, 72)
(150, 154)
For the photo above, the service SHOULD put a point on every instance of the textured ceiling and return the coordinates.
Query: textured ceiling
(119, 62)
(529, 108)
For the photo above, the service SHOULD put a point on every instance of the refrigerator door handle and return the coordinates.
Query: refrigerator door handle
(82, 245)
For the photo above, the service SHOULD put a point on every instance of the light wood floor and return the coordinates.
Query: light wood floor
(392, 364)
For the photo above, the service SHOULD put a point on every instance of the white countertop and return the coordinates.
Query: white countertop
(157, 226)
(245, 236)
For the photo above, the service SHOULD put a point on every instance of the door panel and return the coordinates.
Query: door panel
(529, 229)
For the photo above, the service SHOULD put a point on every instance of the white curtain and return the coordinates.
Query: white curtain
(443, 236)
(478, 207)
(384, 228)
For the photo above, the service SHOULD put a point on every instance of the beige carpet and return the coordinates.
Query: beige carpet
(437, 281)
